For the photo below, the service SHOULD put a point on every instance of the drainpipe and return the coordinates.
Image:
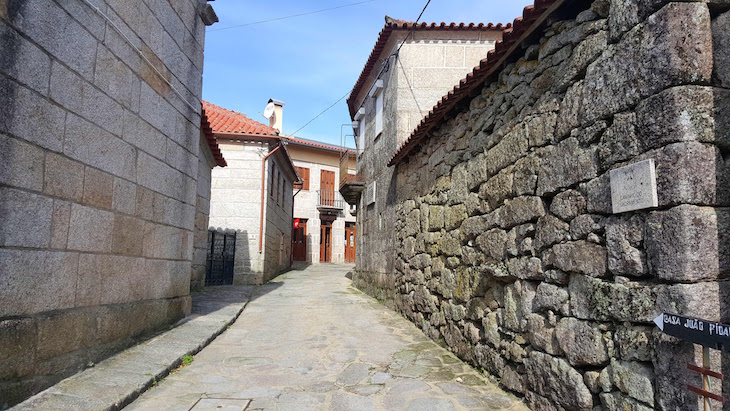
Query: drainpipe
(291, 249)
(263, 184)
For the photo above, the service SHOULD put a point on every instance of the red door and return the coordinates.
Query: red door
(350, 244)
(325, 243)
(327, 187)
(299, 242)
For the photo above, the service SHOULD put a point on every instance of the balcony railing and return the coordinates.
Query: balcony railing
(351, 179)
(348, 163)
(330, 199)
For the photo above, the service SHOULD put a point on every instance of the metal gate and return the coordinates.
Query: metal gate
(221, 253)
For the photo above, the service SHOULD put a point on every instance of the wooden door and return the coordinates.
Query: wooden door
(299, 242)
(350, 244)
(327, 187)
(325, 243)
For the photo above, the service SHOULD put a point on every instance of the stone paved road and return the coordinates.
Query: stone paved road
(308, 341)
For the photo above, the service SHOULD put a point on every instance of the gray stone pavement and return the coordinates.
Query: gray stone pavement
(308, 341)
(118, 380)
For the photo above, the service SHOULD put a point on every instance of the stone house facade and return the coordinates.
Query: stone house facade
(501, 218)
(210, 157)
(327, 224)
(99, 170)
(396, 88)
(252, 195)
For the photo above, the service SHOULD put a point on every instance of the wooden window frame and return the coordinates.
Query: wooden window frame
(304, 175)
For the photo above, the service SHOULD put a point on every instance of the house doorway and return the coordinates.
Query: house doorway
(299, 241)
(350, 242)
(325, 243)
(221, 255)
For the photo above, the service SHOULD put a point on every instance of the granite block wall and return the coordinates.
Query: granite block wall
(206, 163)
(98, 170)
(236, 205)
(450, 54)
(507, 247)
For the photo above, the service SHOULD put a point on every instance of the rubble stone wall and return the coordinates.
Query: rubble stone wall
(98, 170)
(507, 247)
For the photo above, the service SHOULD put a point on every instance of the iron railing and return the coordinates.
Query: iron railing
(330, 199)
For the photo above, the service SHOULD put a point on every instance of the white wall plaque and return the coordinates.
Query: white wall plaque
(633, 187)
(370, 194)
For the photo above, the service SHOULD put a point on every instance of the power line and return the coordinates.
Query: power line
(317, 116)
(418, 106)
(381, 71)
(413, 27)
(292, 16)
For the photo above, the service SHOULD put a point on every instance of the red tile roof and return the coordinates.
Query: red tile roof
(210, 139)
(231, 122)
(532, 18)
(311, 143)
(400, 25)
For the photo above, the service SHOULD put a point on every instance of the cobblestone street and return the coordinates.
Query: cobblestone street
(309, 341)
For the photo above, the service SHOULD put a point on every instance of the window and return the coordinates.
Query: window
(277, 187)
(304, 176)
(283, 189)
(271, 185)
(377, 93)
(378, 114)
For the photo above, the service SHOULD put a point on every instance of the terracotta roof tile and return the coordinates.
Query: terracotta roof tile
(311, 143)
(400, 25)
(210, 139)
(532, 17)
(228, 121)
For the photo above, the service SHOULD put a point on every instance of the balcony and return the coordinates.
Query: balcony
(330, 201)
(352, 184)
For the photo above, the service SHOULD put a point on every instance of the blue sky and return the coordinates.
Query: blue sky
(311, 61)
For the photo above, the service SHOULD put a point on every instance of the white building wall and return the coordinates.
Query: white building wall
(236, 205)
(305, 206)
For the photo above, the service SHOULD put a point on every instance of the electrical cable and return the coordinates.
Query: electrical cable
(381, 71)
(317, 116)
(386, 63)
(291, 16)
(124, 36)
(413, 27)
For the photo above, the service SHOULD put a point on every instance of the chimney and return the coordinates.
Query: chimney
(276, 120)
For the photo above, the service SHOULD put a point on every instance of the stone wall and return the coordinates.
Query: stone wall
(206, 163)
(427, 67)
(236, 205)
(507, 248)
(98, 169)
(278, 219)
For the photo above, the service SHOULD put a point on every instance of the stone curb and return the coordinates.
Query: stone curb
(117, 381)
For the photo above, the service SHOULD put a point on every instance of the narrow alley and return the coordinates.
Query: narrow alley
(308, 340)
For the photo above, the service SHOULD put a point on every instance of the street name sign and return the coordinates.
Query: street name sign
(633, 187)
(706, 333)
